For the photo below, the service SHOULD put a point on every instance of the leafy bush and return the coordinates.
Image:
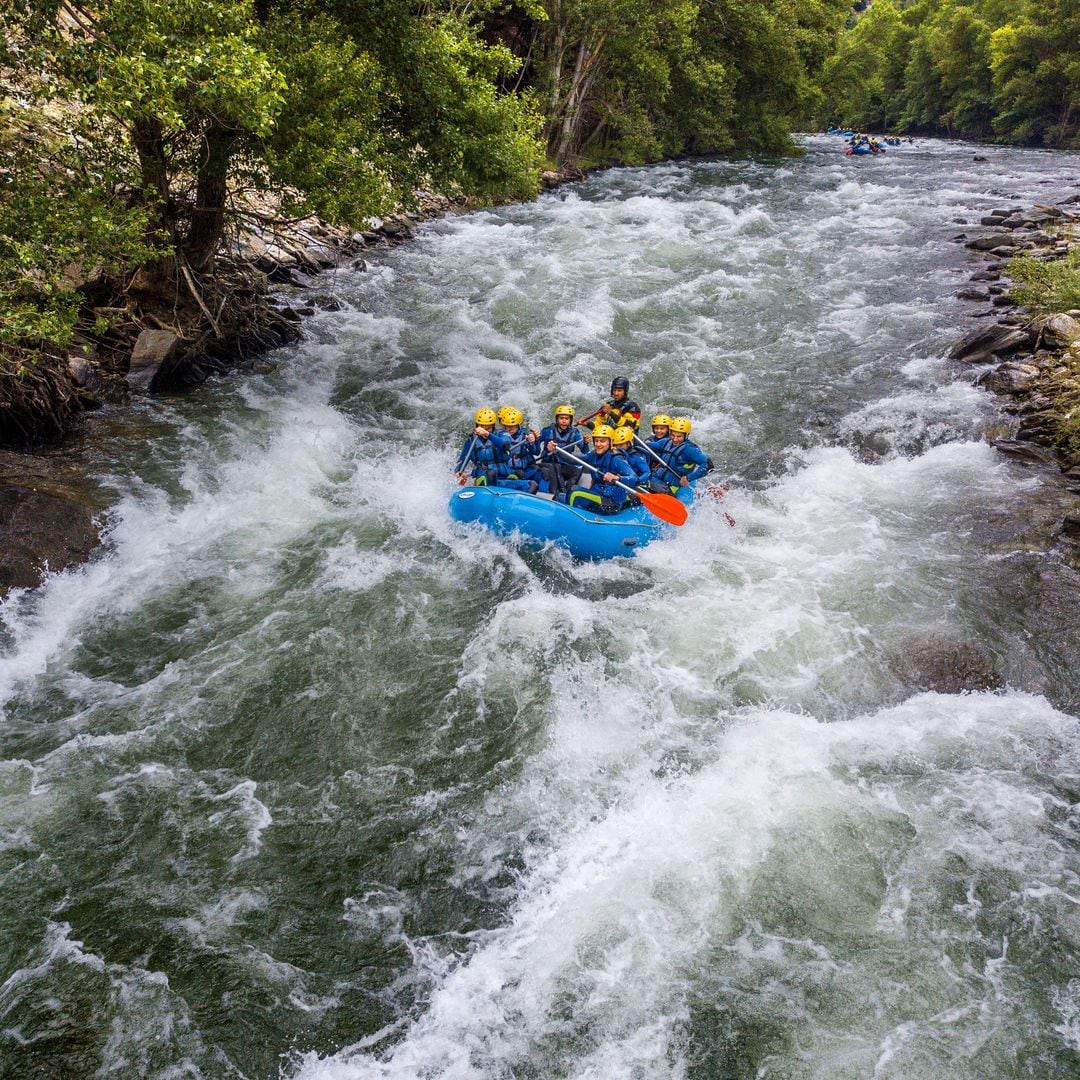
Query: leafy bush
(1047, 286)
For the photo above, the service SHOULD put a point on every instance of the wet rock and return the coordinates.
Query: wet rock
(987, 342)
(155, 359)
(1023, 451)
(985, 275)
(973, 294)
(1010, 378)
(1057, 331)
(945, 666)
(988, 242)
(43, 530)
(326, 302)
(1070, 529)
(1002, 300)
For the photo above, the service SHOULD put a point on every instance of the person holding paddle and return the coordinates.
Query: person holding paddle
(612, 472)
(618, 410)
(518, 470)
(560, 473)
(678, 461)
(484, 452)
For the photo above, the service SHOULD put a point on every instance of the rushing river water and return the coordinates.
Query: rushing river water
(300, 777)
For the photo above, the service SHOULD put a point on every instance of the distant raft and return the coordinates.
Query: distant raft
(539, 520)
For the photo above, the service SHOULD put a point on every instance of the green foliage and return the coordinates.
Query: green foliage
(59, 225)
(162, 111)
(676, 76)
(1046, 286)
(1006, 69)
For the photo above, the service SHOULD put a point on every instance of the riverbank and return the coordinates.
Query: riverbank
(1035, 358)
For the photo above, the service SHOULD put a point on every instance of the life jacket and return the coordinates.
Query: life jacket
(484, 453)
(623, 414)
(638, 463)
(520, 453)
(569, 440)
(612, 462)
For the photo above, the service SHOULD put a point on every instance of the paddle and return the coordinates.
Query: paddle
(665, 507)
(463, 476)
(654, 455)
(586, 419)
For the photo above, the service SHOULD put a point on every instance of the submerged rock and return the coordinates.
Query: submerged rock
(945, 666)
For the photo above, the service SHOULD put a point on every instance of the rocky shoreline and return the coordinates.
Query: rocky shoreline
(1030, 355)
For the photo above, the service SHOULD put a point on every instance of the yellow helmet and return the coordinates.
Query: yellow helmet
(603, 431)
(661, 420)
(622, 436)
(509, 416)
(680, 424)
(485, 417)
(564, 410)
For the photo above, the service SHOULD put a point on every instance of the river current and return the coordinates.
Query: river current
(300, 778)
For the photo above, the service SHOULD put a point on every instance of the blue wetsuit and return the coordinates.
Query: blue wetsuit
(639, 463)
(559, 472)
(486, 454)
(602, 497)
(518, 471)
(680, 459)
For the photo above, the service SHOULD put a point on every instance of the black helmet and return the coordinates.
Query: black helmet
(620, 383)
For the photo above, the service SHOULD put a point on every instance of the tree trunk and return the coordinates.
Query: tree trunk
(208, 218)
(147, 138)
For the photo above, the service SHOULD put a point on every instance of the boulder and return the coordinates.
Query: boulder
(42, 530)
(985, 275)
(155, 359)
(944, 665)
(1011, 378)
(989, 241)
(973, 294)
(1057, 331)
(1024, 451)
(983, 344)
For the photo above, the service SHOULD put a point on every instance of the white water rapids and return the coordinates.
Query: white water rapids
(298, 777)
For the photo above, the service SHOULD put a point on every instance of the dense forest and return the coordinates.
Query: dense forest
(134, 133)
(1004, 70)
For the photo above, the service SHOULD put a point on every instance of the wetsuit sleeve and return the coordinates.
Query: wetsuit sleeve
(631, 416)
(700, 462)
(621, 466)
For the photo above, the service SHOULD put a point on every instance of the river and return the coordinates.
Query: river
(300, 778)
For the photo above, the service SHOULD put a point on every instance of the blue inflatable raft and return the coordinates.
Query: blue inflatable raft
(540, 521)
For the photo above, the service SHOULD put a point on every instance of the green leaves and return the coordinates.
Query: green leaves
(1008, 69)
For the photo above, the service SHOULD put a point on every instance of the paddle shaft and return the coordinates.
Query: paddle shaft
(648, 450)
(594, 469)
(468, 455)
(586, 419)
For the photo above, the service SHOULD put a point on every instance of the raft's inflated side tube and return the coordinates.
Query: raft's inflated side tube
(541, 521)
